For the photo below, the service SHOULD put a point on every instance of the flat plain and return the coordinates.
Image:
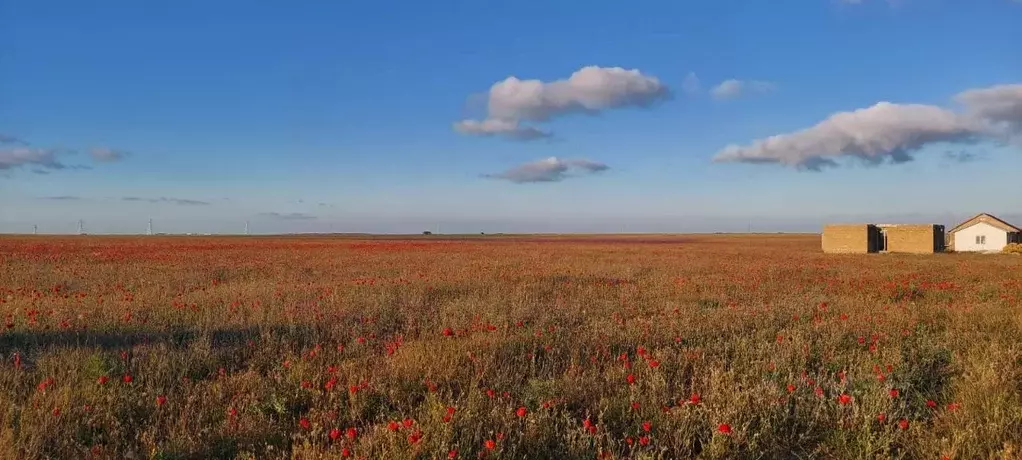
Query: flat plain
(689, 346)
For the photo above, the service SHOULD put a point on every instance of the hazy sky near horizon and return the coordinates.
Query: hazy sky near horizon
(506, 116)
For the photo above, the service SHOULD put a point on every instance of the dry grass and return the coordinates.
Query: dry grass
(261, 347)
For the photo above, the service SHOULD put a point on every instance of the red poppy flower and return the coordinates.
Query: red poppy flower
(644, 440)
(490, 444)
(161, 400)
(647, 426)
(903, 424)
(304, 422)
(521, 412)
(335, 433)
(844, 399)
(724, 428)
(352, 433)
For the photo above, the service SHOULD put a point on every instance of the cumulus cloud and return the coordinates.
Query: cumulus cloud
(551, 169)
(163, 199)
(892, 132)
(288, 215)
(882, 132)
(107, 154)
(589, 90)
(730, 89)
(1000, 106)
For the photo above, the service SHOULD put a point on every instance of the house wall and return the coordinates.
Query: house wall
(915, 239)
(848, 239)
(965, 239)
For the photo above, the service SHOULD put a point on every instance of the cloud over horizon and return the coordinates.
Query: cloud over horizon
(288, 215)
(551, 169)
(17, 153)
(889, 132)
(589, 90)
(163, 199)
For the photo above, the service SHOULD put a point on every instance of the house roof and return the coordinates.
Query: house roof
(987, 219)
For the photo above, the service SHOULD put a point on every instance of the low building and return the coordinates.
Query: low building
(851, 238)
(912, 238)
(870, 238)
(983, 233)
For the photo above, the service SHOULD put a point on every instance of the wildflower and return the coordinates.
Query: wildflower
(631, 379)
(127, 378)
(695, 399)
(448, 332)
(304, 423)
(635, 405)
(903, 424)
(894, 392)
(644, 440)
(881, 417)
(724, 428)
(408, 422)
(335, 433)
(453, 453)
(351, 434)
(415, 437)
(844, 399)
(345, 452)
(791, 388)
(647, 426)
(392, 425)
(56, 412)
(953, 407)
(931, 403)
(490, 444)
(521, 412)
(102, 380)
(161, 400)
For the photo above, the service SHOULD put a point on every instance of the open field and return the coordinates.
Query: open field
(530, 347)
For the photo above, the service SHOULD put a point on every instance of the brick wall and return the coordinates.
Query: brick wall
(914, 239)
(846, 239)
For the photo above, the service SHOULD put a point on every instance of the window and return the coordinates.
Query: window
(981, 239)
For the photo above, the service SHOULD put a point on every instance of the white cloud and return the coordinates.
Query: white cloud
(551, 169)
(590, 90)
(497, 127)
(107, 154)
(16, 157)
(730, 89)
(882, 132)
(1000, 106)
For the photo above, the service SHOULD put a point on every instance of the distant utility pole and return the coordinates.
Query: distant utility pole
(81, 227)
(246, 227)
(149, 228)
(35, 229)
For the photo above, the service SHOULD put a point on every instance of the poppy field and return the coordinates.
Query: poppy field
(699, 346)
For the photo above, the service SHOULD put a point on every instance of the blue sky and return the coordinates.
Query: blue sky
(343, 116)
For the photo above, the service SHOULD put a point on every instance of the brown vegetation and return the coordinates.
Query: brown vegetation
(541, 347)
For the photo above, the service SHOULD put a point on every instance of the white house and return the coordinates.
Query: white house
(984, 233)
